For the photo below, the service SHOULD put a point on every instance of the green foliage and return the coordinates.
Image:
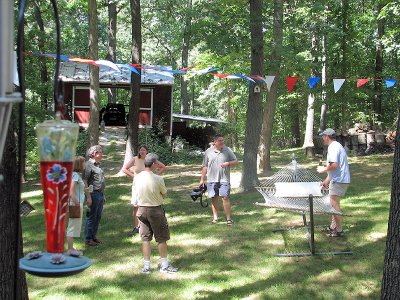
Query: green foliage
(154, 140)
(82, 143)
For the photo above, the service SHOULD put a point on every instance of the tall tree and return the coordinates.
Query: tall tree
(391, 269)
(324, 106)
(185, 58)
(112, 42)
(44, 78)
(254, 104)
(272, 96)
(377, 102)
(12, 280)
(94, 75)
(134, 103)
(309, 134)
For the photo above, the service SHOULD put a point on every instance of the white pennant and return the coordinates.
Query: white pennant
(269, 80)
(337, 84)
(108, 64)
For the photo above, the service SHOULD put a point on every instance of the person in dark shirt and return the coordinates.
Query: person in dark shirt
(94, 176)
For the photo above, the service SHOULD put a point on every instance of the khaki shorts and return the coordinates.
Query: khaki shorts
(338, 189)
(153, 222)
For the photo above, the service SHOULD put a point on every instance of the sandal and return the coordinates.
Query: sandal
(336, 234)
(215, 221)
(229, 222)
(329, 229)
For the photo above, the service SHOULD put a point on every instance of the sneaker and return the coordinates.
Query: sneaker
(146, 270)
(134, 231)
(168, 269)
(91, 243)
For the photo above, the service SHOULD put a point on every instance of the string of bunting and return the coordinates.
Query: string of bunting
(267, 80)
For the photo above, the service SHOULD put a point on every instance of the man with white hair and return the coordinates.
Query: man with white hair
(151, 191)
(94, 176)
(338, 177)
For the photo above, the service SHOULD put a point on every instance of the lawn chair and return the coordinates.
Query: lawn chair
(26, 208)
(297, 189)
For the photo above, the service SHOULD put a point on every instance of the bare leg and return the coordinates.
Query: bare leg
(146, 249)
(162, 249)
(227, 207)
(215, 207)
(70, 241)
(336, 219)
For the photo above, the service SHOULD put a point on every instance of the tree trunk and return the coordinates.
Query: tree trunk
(134, 103)
(324, 107)
(44, 78)
(254, 106)
(112, 43)
(185, 58)
(377, 100)
(344, 64)
(309, 134)
(11, 287)
(295, 124)
(269, 111)
(391, 268)
(94, 75)
(308, 144)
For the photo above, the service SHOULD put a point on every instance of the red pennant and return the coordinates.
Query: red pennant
(220, 75)
(361, 82)
(291, 81)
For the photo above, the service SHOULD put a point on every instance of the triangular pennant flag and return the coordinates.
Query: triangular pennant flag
(361, 82)
(269, 80)
(337, 83)
(291, 81)
(312, 81)
(132, 68)
(107, 63)
(220, 75)
(390, 82)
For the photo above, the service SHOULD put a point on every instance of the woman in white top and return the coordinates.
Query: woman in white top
(137, 164)
(77, 193)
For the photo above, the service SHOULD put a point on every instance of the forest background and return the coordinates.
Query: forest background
(327, 39)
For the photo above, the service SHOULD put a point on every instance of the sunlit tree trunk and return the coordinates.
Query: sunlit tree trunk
(272, 96)
(11, 286)
(391, 268)
(308, 136)
(254, 106)
(94, 75)
(324, 106)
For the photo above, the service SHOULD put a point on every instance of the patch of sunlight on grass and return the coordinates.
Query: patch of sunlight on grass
(189, 240)
(329, 276)
(201, 289)
(376, 236)
(113, 270)
(27, 195)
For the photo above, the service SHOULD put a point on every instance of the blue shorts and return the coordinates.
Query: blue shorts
(221, 189)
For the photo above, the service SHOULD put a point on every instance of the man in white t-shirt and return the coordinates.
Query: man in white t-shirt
(338, 177)
(151, 191)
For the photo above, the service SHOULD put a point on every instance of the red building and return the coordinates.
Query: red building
(155, 96)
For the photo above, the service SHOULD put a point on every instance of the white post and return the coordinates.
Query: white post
(7, 67)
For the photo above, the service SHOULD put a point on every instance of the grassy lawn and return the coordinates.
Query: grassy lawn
(221, 262)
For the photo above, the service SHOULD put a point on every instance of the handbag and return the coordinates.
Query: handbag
(74, 211)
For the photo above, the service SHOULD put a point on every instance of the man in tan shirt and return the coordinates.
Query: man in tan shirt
(151, 191)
